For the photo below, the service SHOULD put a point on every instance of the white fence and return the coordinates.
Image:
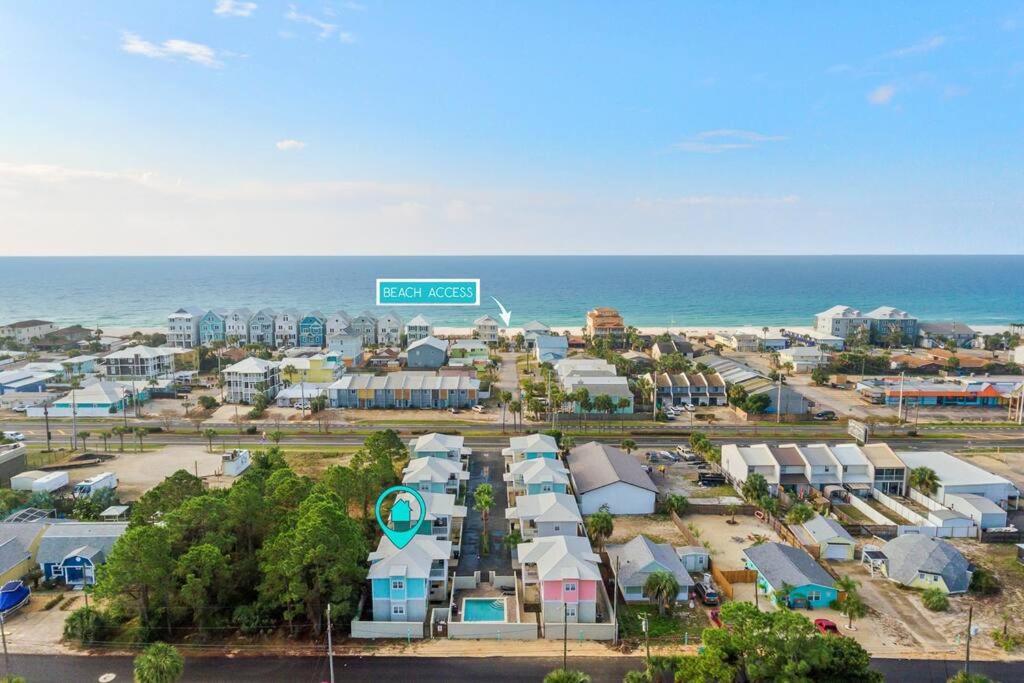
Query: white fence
(924, 500)
(409, 630)
(939, 531)
(556, 630)
(465, 583)
(871, 513)
(927, 526)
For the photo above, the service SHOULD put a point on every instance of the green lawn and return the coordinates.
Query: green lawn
(684, 620)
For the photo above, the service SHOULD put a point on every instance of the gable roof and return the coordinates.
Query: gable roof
(545, 507)
(912, 553)
(418, 321)
(540, 470)
(782, 564)
(437, 470)
(435, 442)
(413, 561)
(430, 341)
(60, 539)
(533, 443)
(636, 557)
(818, 530)
(596, 465)
(561, 557)
(252, 364)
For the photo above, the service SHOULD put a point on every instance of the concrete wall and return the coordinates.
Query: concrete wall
(387, 629)
(555, 630)
(871, 513)
(475, 630)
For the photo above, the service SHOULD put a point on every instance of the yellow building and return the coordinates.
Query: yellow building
(316, 369)
(19, 542)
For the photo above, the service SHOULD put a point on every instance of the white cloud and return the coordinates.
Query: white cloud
(234, 8)
(719, 201)
(327, 29)
(346, 37)
(171, 49)
(883, 94)
(926, 45)
(289, 145)
(723, 140)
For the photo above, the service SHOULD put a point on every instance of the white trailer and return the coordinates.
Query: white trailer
(235, 462)
(104, 480)
(25, 480)
(52, 481)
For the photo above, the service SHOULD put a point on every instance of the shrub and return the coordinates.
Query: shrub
(251, 429)
(251, 620)
(1008, 641)
(159, 663)
(984, 582)
(935, 600)
(86, 625)
(53, 602)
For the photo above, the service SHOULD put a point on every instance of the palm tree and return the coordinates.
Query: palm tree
(210, 434)
(622, 404)
(568, 443)
(601, 526)
(783, 593)
(677, 503)
(159, 663)
(662, 587)
(503, 398)
(516, 408)
(120, 432)
(289, 373)
(643, 388)
(84, 436)
(140, 434)
(105, 435)
(924, 480)
(483, 501)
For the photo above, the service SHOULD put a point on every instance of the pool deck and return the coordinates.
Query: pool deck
(486, 591)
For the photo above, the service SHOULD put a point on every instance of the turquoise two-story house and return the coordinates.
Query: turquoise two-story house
(405, 581)
(212, 327)
(313, 329)
(539, 475)
(530, 447)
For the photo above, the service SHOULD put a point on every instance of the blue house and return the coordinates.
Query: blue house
(550, 348)
(404, 581)
(212, 327)
(434, 475)
(22, 381)
(538, 475)
(313, 329)
(779, 565)
(71, 551)
(530, 447)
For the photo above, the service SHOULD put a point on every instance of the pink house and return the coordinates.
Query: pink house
(565, 569)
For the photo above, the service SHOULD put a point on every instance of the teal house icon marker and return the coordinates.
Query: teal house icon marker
(402, 529)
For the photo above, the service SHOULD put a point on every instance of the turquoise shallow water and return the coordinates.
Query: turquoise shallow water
(648, 290)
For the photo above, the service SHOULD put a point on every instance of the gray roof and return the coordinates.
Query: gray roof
(60, 539)
(945, 328)
(820, 530)
(779, 563)
(595, 465)
(635, 560)
(912, 553)
(15, 540)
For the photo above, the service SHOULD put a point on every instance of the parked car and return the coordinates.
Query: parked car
(647, 468)
(683, 450)
(301, 405)
(20, 408)
(689, 407)
(826, 627)
(707, 594)
(14, 436)
(825, 415)
(478, 409)
(453, 411)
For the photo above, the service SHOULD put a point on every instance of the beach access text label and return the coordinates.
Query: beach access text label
(428, 292)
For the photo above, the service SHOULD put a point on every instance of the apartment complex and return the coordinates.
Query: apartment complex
(249, 377)
(841, 321)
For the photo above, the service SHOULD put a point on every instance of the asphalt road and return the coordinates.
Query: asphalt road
(65, 669)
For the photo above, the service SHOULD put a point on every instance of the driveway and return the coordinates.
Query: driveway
(485, 468)
(508, 374)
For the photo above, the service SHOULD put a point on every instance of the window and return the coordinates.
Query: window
(397, 585)
(570, 587)
(398, 610)
(570, 612)
(813, 596)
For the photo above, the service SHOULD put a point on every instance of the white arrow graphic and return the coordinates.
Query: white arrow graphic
(505, 315)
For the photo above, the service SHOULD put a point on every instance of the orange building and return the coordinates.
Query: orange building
(605, 322)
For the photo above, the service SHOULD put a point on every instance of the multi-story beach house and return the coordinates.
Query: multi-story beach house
(841, 321)
(404, 390)
(434, 475)
(365, 325)
(885, 320)
(337, 323)
(348, 347)
(182, 327)
(486, 329)
(530, 447)
(418, 328)
(212, 326)
(313, 329)
(689, 388)
(541, 475)
(236, 326)
(249, 377)
(140, 362)
(739, 462)
(389, 329)
(566, 571)
(532, 330)
(545, 514)
(442, 446)
(443, 519)
(605, 322)
(261, 327)
(24, 331)
(404, 581)
(286, 328)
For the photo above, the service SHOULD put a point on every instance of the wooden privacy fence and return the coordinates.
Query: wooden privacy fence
(725, 579)
(684, 530)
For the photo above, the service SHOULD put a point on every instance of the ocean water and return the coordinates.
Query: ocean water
(558, 290)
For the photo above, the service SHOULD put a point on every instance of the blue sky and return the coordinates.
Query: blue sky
(217, 126)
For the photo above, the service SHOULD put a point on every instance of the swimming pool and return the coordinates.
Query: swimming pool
(483, 609)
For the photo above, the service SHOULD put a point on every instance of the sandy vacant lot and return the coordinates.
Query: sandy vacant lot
(658, 528)
(727, 540)
(139, 472)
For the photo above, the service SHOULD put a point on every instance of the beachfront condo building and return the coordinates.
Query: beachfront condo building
(261, 327)
(418, 328)
(841, 321)
(887, 321)
(286, 328)
(365, 325)
(389, 329)
(236, 327)
(140, 362)
(182, 327)
(404, 390)
(485, 328)
(605, 322)
(212, 326)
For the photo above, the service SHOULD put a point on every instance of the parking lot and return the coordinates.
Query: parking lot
(139, 472)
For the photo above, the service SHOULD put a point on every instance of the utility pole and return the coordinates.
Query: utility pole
(615, 603)
(647, 636)
(46, 416)
(330, 644)
(899, 414)
(778, 403)
(3, 635)
(967, 658)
